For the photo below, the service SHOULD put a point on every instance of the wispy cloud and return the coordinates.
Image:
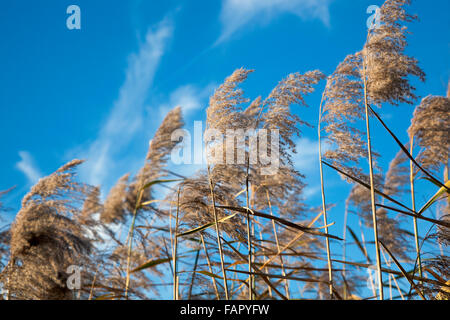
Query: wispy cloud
(311, 191)
(189, 97)
(27, 166)
(306, 158)
(236, 14)
(126, 117)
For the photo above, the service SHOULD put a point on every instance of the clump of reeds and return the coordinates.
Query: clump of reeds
(45, 240)
(387, 67)
(235, 231)
(429, 129)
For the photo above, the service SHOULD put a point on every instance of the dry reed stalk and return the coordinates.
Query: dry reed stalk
(266, 269)
(388, 263)
(344, 246)
(91, 292)
(175, 250)
(197, 255)
(249, 238)
(324, 207)
(363, 242)
(209, 266)
(372, 189)
(130, 241)
(275, 233)
(219, 241)
(413, 203)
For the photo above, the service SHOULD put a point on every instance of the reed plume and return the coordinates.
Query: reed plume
(158, 154)
(397, 176)
(387, 66)
(385, 75)
(114, 208)
(429, 128)
(340, 116)
(290, 91)
(92, 205)
(140, 191)
(227, 111)
(45, 240)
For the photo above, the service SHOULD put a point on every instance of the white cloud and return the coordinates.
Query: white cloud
(27, 166)
(307, 156)
(189, 97)
(236, 14)
(126, 117)
(306, 161)
(311, 191)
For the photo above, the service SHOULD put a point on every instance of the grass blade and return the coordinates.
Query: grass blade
(435, 198)
(436, 181)
(206, 226)
(360, 246)
(404, 273)
(151, 264)
(438, 222)
(280, 220)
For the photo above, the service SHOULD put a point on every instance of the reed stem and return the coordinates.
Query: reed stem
(413, 202)
(322, 188)
(219, 241)
(372, 187)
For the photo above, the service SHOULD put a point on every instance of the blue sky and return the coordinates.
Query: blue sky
(99, 93)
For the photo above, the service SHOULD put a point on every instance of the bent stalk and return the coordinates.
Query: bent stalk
(325, 221)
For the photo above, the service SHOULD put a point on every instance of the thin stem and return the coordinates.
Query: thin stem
(219, 242)
(292, 242)
(130, 241)
(264, 278)
(266, 269)
(363, 242)
(209, 266)
(392, 276)
(413, 202)
(407, 153)
(175, 250)
(249, 238)
(91, 293)
(404, 273)
(325, 221)
(344, 247)
(283, 272)
(193, 274)
(372, 188)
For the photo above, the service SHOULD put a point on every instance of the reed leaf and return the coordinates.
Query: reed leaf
(280, 220)
(206, 226)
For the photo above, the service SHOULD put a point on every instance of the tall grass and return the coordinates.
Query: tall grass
(240, 233)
